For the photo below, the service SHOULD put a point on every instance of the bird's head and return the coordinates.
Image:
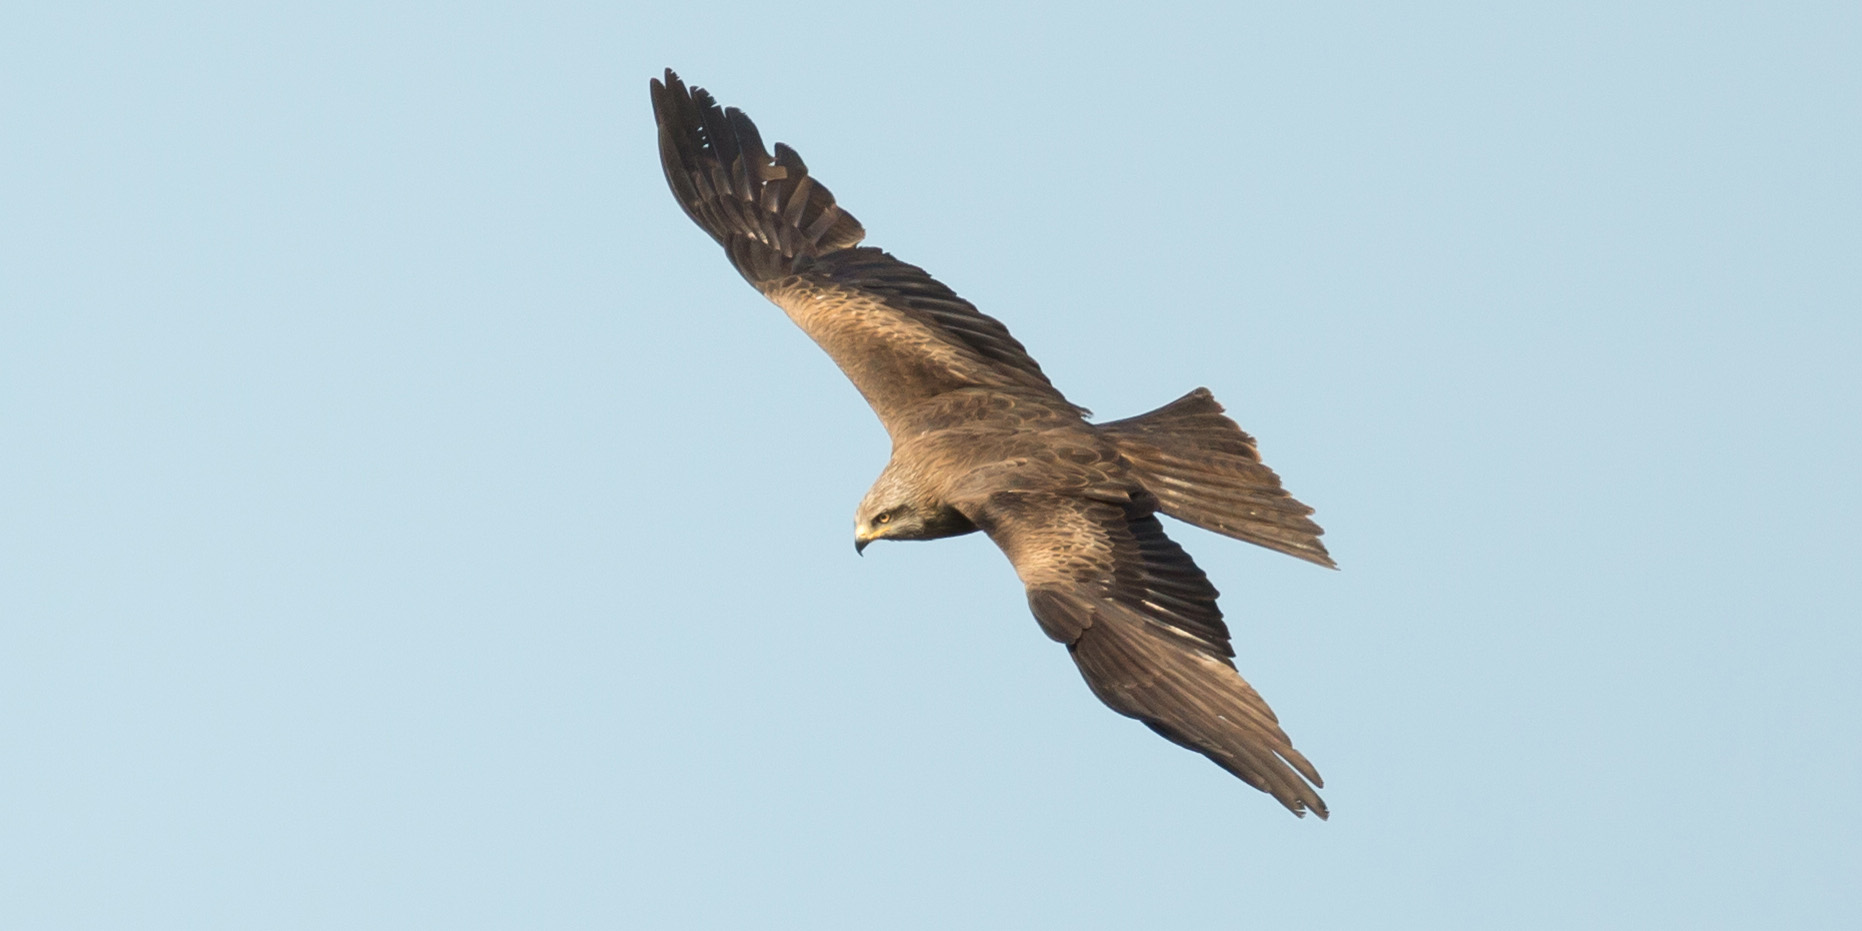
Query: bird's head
(886, 519)
(895, 509)
(889, 509)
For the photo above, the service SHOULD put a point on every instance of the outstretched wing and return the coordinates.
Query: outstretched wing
(899, 334)
(1140, 620)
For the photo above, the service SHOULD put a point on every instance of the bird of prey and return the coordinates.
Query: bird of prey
(982, 441)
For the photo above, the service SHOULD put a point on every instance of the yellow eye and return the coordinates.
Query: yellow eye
(885, 518)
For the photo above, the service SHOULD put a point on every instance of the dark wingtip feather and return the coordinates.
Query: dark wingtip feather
(764, 210)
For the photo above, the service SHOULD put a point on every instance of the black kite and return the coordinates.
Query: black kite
(982, 441)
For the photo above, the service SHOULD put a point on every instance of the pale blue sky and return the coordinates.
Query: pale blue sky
(411, 520)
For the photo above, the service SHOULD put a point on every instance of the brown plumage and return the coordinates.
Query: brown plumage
(981, 440)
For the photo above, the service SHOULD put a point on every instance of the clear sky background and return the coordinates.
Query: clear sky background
(408, 518)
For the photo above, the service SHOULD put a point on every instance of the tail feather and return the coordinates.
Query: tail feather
(1204, 470)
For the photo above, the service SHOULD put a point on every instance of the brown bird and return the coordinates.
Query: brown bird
(982, 441)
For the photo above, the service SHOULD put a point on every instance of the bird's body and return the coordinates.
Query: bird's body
(981, 440)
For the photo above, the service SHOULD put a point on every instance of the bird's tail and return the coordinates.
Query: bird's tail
(1204, 470)
(765, 210)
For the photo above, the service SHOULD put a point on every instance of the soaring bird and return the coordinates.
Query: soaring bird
(982, 441)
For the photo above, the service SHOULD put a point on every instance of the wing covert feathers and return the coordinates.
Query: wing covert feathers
(1204, 470)
(1141, 622)
(911, 291)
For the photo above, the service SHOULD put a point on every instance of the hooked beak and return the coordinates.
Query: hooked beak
(859, 544)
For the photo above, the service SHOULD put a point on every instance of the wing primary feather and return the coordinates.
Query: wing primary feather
(753, 204)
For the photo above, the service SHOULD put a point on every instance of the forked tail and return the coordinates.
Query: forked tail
(1205, 470)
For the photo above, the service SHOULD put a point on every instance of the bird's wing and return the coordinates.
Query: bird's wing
(1140, 620)
(899, 334)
